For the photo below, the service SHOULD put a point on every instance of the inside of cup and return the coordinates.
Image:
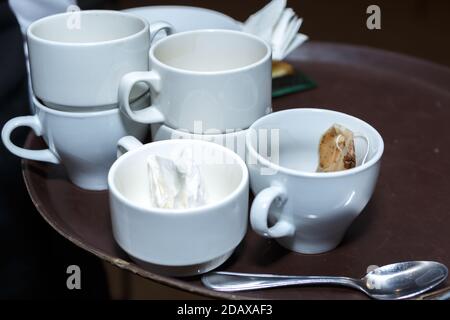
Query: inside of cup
(291, 139)
(87, 27)
(209, 51)
(222, 174)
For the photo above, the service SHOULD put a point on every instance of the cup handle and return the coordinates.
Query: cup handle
(32, 122)
(151, 114)
(158, 26)
(260, 211)
(126, 144)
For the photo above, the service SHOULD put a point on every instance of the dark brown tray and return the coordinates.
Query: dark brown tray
(408, 218)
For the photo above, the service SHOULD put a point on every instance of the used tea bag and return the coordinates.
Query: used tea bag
(176, 183)
(336, 150)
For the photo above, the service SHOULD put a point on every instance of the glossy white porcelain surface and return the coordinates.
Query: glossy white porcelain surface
(233, 140)
(220, 78)
(185, 18)
(84, 142)
(309, 212)
(184, 271)
(179, 237)
(78, 58)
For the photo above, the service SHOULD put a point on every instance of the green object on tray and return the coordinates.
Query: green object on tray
(291, 83)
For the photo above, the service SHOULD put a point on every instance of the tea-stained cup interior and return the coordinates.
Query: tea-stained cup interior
(221, 172)
(87, 27)
(210, 50)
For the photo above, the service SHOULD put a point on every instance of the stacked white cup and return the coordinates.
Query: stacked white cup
(77, 60)
(205, 84)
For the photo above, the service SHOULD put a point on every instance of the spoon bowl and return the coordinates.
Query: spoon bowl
(391, 282)
(404, 280)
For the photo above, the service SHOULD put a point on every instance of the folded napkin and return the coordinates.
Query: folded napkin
(277, 25)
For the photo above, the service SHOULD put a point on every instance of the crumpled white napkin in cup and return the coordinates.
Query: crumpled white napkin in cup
(277, 25)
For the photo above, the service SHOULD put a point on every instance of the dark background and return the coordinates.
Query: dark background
(416, 27)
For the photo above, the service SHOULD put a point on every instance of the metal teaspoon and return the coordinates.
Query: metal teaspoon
(394, 281)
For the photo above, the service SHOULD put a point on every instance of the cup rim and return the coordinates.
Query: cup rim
(308, 174)
(33, 25)
(186, 133)
(261, 61)
(73, 114)
(205, 209)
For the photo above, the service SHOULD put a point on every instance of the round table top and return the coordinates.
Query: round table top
(408, 217)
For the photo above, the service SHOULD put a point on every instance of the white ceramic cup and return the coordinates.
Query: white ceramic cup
(219, 77)
(307, 211)
(179, 242)
(84, 142)
(233, 140)
(78, 58)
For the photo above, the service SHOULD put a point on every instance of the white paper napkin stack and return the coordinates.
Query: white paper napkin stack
(277, 25)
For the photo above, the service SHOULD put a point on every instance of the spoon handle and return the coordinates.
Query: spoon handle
(231, 281)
